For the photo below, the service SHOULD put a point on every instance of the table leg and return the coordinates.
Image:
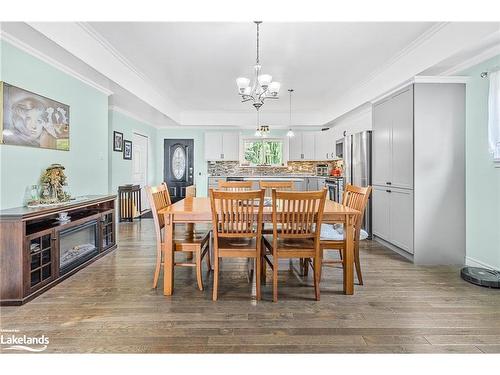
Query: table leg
(349, 257)
(168, 257)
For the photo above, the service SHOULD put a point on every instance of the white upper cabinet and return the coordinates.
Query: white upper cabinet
(402, 140)
(393, 141)
(213, 146)
(302, 146)
(324, 145)
(222, 146)
(231, 146)
(295, 147)
(382, 143)
(308, 145)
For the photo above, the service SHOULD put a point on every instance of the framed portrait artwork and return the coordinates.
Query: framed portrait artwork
(29, 119)
(117, 141)
(127, 150)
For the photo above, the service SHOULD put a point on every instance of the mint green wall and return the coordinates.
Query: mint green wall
(121, 169)
(482, 178)
(87, 161)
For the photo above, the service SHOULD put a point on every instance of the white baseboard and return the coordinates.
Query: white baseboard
(476, 263)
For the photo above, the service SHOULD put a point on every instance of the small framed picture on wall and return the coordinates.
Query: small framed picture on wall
(117, 141)
(127, 150)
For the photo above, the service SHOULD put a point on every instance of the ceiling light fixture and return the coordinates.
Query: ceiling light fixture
(290, 132)
(262, 131)
(263, 86)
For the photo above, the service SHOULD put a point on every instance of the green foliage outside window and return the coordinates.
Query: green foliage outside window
(263, 152)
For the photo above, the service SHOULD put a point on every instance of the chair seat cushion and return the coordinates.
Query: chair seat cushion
(236, 243)
(335, 232)
(183, 235)
(289, 244)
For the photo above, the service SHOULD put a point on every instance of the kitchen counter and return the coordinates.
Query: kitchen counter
(303, 182)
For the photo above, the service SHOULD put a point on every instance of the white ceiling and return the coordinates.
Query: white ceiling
(186, 71)
(196, 64)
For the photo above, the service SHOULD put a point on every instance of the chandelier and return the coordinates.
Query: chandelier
(263, 86)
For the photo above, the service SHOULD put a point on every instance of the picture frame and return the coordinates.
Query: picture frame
(127, 149)
(117, 141)
(33, 120)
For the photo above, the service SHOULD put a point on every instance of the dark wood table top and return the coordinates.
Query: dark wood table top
(28, 212)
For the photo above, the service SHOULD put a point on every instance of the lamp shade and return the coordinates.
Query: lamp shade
(290, 133)
(265, 80)
(242, 83)
(274, 88)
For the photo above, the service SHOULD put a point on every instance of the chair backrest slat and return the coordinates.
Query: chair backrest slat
(234, 185)
(237, 214)
(190, 191)
(159, 198)
(299, 214)
(357, 198)
(268, 186)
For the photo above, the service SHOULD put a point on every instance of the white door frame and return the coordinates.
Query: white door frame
(146, 165)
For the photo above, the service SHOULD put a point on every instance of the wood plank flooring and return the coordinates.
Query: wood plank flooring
(109, 307)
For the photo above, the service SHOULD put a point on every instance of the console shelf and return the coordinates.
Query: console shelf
(32, 241)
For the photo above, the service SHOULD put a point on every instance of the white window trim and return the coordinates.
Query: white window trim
(284, 151)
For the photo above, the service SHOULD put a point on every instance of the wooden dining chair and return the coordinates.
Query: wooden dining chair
(186, 238)
(357, 198)
(191, 191)
(268, 186)
(237, 229)
(234, 185)
(297, 218)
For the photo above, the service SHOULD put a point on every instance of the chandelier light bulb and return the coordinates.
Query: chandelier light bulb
(274, 88)
(242, 84)
(265, 80)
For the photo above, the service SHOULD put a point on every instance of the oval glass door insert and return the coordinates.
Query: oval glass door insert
(179, 162)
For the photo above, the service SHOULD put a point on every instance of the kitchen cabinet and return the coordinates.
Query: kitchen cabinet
(381, 213)
(222, 146)
(393, 141)
(301, 147)
(393, 216)
(419, 171)
(324, 145)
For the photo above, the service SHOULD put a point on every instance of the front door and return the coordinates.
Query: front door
(178, 168)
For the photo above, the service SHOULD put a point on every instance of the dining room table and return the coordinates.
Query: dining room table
(197, 210)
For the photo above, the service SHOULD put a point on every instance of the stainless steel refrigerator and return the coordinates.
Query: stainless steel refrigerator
(358, 167)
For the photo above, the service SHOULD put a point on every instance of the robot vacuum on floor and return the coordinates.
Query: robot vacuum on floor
(481, 276)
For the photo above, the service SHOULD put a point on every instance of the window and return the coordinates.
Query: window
(266, 151)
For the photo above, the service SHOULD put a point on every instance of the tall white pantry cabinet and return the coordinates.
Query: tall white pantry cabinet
(419, 172)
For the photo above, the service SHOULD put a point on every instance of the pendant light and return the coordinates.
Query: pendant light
(290, 132)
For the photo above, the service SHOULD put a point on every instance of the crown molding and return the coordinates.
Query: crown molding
(483, 56)
(415, 44)
(81, 40)
(12, 40)
(114, 108)
(112, 50)
(440, 79)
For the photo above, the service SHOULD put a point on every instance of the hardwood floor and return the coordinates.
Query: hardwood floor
(110, 307)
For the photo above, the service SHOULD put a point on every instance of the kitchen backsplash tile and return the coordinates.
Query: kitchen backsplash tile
(233, 168)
